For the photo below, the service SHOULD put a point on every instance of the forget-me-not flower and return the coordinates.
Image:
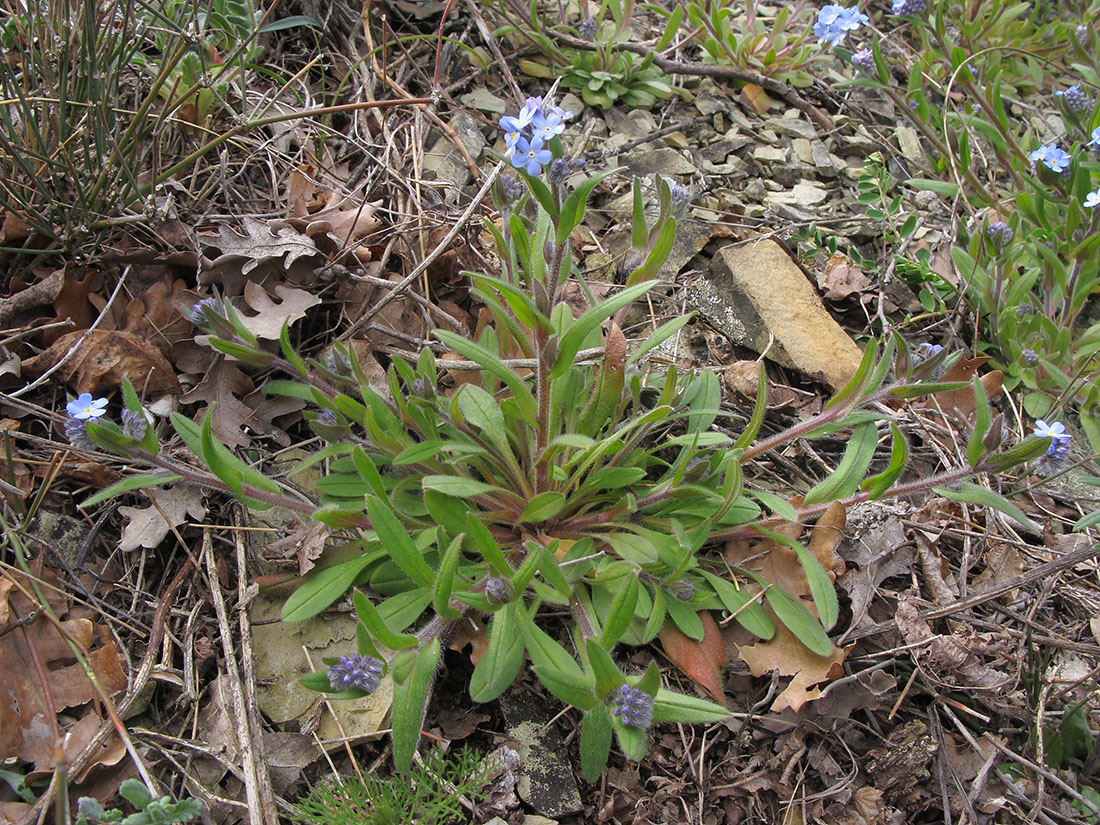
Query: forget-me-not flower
(85, 408)
(1051, 156)
(632, 706)
(1092, 199)
(530, 156)
(546, 126)
(835, 21)
(1056, 430)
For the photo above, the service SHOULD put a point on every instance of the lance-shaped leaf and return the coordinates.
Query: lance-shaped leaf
(877, 485)
(128, 484)
(846, 478)
(675, 707)
(796, 617)
(501, 662)
(574, 339)
(973, 494)
(410, 698)
(750, 614)
(323, 588)
(595, 741)
(395, 538)
(376, 625)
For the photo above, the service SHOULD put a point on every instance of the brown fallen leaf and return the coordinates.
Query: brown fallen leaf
(964, 370)
(103, 358)
(787, 655)
(221, 387)
(263, 241)
(840, 279)
(147, 527)
(24, 729)
(702, 661)
(268, 321)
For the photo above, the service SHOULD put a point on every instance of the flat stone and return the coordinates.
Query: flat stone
(770, 154)
(822, 160)
(909, 142)
(545, 775)
(802, 194)
(445, 161)
(790, 174)
(803, 150)
(792, 127)
(677, 140)
(484, 100)
(664, 161)
(754, 190)
(759, 298)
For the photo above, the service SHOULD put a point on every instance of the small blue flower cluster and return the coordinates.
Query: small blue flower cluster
(81, 410)
(526, 134)
(835, 21)
(362, 672)
(1075, 98)
(1000, 233)
(632, 706)
(864, 59)
(910, 7)
(1057, 452)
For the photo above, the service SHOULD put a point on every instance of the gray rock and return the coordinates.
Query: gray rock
(485, 101)
(444, 160)
(802, 150)
(754, 190)
(822, 160)
(909, 142)
(792, 127)
(663, 161)
(789, 174)
(802, 194)
(545, 774)
(770, 154)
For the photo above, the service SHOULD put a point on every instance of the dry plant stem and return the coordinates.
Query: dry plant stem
(76, 345)
(38, 294)
(258, 812)
(252, 709)
(1041, 771)
(440, 248)
(1039, 573)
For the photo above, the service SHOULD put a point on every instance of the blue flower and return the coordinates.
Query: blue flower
(835, 21)
(1092, 199)
(1031, 357)
(84, 407)
(632, 706)
(1052, 157)
(1095, 137)
(197, 315)
(530, 155)
(361, 672)
(1056, 431)
(546, 126)
(513, 131)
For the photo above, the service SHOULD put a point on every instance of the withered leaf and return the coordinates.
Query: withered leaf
(703, 660)
(262, 241)
(103, 358)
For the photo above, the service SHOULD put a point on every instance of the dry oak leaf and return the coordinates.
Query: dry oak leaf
(702, 661)
(103, 358)
(25, 731)
(840, 279)
(262, 241)
(268, 321)
(221, 387)
(787, 655)
(147, 526)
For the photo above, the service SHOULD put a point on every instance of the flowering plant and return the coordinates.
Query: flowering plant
(560, 470)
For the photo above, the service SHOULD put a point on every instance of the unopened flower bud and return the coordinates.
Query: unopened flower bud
(498, 590)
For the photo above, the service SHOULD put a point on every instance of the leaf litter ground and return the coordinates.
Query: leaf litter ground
(959, 632)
